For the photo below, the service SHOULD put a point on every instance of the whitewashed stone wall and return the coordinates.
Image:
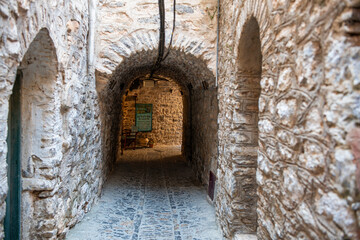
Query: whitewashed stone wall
(308, 124)
(167, 117)
(65, 174)
(127, 42)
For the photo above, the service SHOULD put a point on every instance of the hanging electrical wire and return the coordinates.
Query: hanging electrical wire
(161, 38)
(161, 57)
(173, 30)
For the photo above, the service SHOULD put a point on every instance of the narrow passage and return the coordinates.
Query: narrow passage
(151, 194)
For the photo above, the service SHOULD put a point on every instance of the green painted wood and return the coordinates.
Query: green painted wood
(13, 200)
(143, 117)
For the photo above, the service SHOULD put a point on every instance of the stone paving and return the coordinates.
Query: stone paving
(151, 194)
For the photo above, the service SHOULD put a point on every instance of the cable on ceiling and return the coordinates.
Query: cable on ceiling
(161, 57)
(173, 30)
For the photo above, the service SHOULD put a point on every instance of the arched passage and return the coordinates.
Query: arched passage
(196, 82)
(31, 141)
(184, 102)
(153, 190)
(238, 200)
(164, 124)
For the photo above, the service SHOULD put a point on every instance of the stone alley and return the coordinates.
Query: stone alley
(151, 194)
(237, 119)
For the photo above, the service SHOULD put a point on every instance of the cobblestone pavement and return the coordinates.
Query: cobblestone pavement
(151, 194)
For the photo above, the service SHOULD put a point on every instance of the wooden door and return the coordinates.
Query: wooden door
(13, 200)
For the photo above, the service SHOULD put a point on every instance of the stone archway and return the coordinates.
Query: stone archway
(166, 99)
(237, 200)
(32, 119)
(245, 125)
(196, 82)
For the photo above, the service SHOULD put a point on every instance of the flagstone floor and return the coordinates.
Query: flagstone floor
(151, 194)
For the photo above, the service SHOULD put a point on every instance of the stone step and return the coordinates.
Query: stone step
(240, 236)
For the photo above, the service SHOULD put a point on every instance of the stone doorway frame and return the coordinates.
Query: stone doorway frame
(239, 151)
(38, 137)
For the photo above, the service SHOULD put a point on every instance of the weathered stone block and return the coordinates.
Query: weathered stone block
(331, 206)
(244, 161)
(286, 111)
(35, 184)
(313, 157)
(247, 93)
(266, 126)
(240, 236)
(353, 3)
(286, 79)
(294, 191)
(267, 84)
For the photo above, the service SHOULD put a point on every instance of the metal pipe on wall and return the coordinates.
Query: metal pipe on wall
(91, 35)
(217, 44)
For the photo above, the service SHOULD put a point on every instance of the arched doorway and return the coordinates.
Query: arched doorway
(159, 177)
(237, 198)
(30, 137)
(200, 108)
(246, 119)
(163, 124)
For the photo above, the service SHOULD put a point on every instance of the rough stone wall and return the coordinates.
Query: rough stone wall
(64, 176)
(204, 112)
(308, 120)
(126, 27)
(167, 118)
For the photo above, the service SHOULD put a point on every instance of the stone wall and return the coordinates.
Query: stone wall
(61, 160)
(167, 117)
(308, 119)
(204, 112)
(127, 27)
(288, 106)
